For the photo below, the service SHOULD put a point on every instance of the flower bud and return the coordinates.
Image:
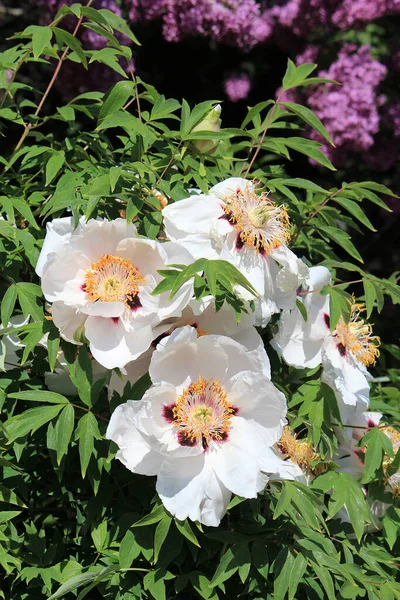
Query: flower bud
(211, 122)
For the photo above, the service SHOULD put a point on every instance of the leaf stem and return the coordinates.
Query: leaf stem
(268, 123)
(315, 213)
(88, 410)
(28, 127)
(330, 286)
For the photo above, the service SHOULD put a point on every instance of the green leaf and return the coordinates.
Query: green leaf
(152, 223)
(378, 444)
(160, 535)
(308, 117)
(67, 113)
(339, 305)
(370, 296)
(7, 304)
(302, 309)
(128, 550)
(7, 515)
(296, 574)
(114, 175)
(65, 38)
(254, 111)
(354, 209)
(116, 98)
(63, 430)
(118, 24)
(41, 38)
(308, 147)
(24, 209)
(82, 579)
(185, 529)
(343, 239)
(155, 516)
(30, 420)
(283, 566)
(39, 396)
(326, 579)
(86, 432)
(10, 497)
(295, 76)
(53, 166)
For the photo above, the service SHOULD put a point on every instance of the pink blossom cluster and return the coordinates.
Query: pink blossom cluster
(240, 23)
(349, 111)
(237, 86)
(305, 16)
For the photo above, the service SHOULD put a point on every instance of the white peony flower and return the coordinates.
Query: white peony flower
(300, 455)
(344, 353)
(100, 279)
(205, 319)
(236, 224)
(206, 427)
(351, 460)
(10, 342)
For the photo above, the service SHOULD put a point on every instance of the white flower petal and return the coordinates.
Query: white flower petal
(194, 215)
(259, 402)
(102, 237)
(111, 345)
(230, 186)
(236, 463)
(58, 231)
(69, 321)
(64, 276)
(189, 488)
(134, 451)
(348, 380)
(182, 355)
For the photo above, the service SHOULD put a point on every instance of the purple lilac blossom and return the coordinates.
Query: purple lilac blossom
(352, 12)
(306, 16)
(237, 87)
(350, 111)
(240, 23)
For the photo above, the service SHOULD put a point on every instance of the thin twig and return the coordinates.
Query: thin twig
(88, 410)
(268, 123)
(50, 85)
(330, 286)
(315, 213)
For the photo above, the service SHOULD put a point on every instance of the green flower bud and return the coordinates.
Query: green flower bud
(211, 122)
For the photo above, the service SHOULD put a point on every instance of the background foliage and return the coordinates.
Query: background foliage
(71, 518)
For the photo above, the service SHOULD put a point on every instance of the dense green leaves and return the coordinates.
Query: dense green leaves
(74, 522)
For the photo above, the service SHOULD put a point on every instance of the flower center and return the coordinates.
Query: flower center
(201, 414)
(356, 337)
(299, 452)
(262, 224)
(113, 279)
(392, 479)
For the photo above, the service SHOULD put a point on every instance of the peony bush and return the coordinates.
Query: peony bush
(194, 399)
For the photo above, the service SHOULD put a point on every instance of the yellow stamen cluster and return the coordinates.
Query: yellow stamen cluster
(202, 413)
(356, 336)
(299, 452)
(112, 279)
(393, 481)
(261, 223)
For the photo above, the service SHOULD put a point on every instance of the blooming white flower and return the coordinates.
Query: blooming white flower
(10, 342)
(100, 280)
(206, 427)
(234, 223)
(300, 455)
(351, 460)
(344, 353)
(203, 316)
